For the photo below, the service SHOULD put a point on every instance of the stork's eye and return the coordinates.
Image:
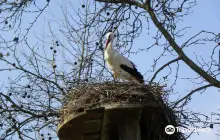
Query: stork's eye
(114, 35)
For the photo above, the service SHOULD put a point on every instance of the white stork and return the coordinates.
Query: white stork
(120, 65)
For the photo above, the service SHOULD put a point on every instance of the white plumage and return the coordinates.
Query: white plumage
(120, 65)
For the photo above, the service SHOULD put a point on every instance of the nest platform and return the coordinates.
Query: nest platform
(116, 111)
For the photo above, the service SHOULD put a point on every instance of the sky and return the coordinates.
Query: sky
(205, 16)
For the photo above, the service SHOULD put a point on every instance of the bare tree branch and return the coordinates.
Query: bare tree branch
(161, 68)
(191, 93)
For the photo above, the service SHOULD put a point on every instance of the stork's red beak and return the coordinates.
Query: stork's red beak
(107, 42)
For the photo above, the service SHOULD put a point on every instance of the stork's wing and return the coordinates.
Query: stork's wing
(137, 75)
(130, 68)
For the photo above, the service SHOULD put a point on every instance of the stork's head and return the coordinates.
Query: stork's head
(110, 37)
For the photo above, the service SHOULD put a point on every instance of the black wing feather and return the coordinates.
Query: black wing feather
(133, 71)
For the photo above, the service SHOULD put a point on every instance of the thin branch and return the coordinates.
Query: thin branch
(192, 92)
(161, 68)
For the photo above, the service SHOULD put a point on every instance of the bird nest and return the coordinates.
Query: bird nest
(89, 96)
(153, 97)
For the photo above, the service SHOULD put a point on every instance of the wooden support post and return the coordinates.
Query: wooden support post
(122, 122)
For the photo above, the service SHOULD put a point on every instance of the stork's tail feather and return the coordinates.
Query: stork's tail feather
(140, 78)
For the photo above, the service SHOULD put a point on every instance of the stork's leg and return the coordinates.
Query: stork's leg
(116, 76)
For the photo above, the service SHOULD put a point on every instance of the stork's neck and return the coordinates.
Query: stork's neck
(109, 46)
